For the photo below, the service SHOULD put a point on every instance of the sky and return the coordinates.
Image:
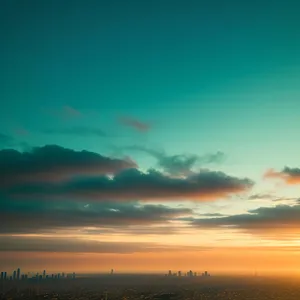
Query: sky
(145, 136)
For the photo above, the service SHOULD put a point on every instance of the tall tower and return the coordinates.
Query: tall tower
(14, 275)
(44, 274)
(18, 274)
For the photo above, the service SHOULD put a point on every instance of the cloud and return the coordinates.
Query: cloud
(260, 197)
(281, 219)
(6, 140)
(289, 175)
(21, 131)
(48, 244)
(65, 112)
(141, 229)
(34, 216)
(133, 184)
(52, 163)
(180, 164)
(135, 124)
(271, 197)
(70, 111)
(212, 215)
(77, 245)
(77, 131)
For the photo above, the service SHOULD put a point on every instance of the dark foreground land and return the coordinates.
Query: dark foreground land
(154, 287)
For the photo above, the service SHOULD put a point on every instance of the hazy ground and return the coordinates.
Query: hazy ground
(157, 287)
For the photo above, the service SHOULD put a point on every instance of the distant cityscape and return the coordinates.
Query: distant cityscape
(17, 275)
(187, 274)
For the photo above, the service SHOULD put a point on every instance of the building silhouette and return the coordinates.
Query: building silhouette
(205, 274)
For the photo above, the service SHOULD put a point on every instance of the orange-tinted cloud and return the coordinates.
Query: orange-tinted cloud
(289, 175)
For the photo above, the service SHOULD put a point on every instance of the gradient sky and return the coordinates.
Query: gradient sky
(135, 134)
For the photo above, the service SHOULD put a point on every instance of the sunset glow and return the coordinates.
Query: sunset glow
(145, 136)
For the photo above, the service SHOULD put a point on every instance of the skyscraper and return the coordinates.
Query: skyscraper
(14, 275)
(44, 274)
(2, 275)
(18, 274)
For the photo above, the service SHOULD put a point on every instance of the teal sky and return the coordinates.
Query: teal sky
(206, 76)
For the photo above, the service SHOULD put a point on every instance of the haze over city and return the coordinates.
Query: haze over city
(148, 136)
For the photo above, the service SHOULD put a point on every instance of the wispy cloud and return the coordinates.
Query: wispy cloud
(272, 197)
(77, 131)
(65, 112)
(180, 164)
(6, 140)
(21, 131)
(135, 124)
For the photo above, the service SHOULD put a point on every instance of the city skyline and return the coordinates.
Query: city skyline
(150, 135)
(17, 275)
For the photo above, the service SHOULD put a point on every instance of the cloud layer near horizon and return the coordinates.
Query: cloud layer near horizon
(266, 221)
(133, 184)
(35, 216)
